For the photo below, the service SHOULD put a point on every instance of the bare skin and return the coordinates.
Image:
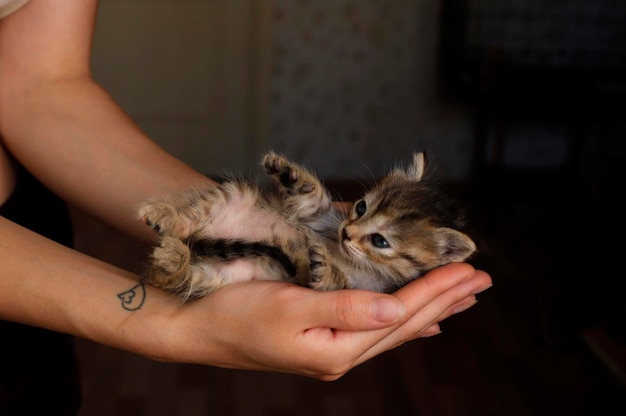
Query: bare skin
(68, 131)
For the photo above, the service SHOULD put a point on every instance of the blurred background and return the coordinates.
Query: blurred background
(519, 103)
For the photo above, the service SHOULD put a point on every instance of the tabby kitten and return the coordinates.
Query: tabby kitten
(216, 235)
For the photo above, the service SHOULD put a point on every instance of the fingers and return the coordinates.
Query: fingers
(432, 330)
(421, 292)
(442, 293)
(454, 300)
(331, 332)
(358, 310)
(354, 310)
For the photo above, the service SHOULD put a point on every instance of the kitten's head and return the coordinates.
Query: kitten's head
(405, 226)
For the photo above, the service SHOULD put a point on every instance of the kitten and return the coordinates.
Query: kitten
(213, 236)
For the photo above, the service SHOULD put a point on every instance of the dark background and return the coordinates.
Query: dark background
(550, 336)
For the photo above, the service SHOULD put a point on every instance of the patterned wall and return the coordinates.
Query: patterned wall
(354, 87)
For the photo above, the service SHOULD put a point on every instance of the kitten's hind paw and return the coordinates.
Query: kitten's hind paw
(171, 256)
(169, 267)
(293, 179)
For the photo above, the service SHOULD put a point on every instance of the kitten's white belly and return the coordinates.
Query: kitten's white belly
(240, 217)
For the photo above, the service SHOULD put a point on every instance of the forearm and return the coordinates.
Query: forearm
(48, 285)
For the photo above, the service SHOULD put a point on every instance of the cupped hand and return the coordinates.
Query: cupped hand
(275, 326)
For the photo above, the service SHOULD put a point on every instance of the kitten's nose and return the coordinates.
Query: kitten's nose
(344, 235)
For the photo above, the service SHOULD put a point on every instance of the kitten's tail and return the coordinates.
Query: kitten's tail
(235, 249)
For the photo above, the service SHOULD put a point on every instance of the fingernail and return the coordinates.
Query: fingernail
(388, 310)
(481, 289)
(464, 306)
(431, 332)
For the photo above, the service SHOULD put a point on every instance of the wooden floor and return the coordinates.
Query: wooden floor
(527, 348)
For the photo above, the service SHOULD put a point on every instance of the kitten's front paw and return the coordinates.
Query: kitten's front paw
(163, 219)
(293, 179)
(323, 276)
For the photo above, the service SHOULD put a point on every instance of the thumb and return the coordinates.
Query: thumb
(357, 310)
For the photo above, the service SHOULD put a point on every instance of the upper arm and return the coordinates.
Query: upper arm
(47, 38)
(65, 128)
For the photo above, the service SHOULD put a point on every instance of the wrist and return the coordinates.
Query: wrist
(148, 325)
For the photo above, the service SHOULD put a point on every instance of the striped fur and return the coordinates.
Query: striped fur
(401, 228)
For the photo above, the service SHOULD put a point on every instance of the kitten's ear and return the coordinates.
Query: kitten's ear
(454, 246)
(416, 170)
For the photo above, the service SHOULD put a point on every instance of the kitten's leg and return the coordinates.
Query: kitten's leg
(169, 267)
(179, 216)
(302, 189)
(162, 217)
(324, 275)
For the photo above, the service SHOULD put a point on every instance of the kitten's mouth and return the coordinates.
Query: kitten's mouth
(348, 248)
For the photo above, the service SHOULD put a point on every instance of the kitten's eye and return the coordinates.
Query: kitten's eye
(360, 208)
(379, 241)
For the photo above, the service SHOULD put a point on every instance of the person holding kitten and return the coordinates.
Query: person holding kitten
(63, 140)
